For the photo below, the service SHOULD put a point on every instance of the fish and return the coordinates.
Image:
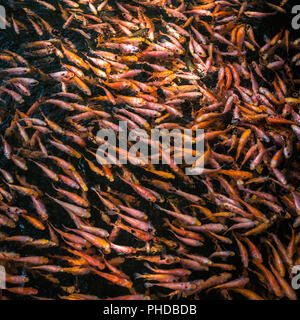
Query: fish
(209, 66)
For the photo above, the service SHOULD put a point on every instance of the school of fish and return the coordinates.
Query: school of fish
(74, 228)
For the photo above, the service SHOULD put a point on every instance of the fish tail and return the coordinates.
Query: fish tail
(148, 285)
(137, 275)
